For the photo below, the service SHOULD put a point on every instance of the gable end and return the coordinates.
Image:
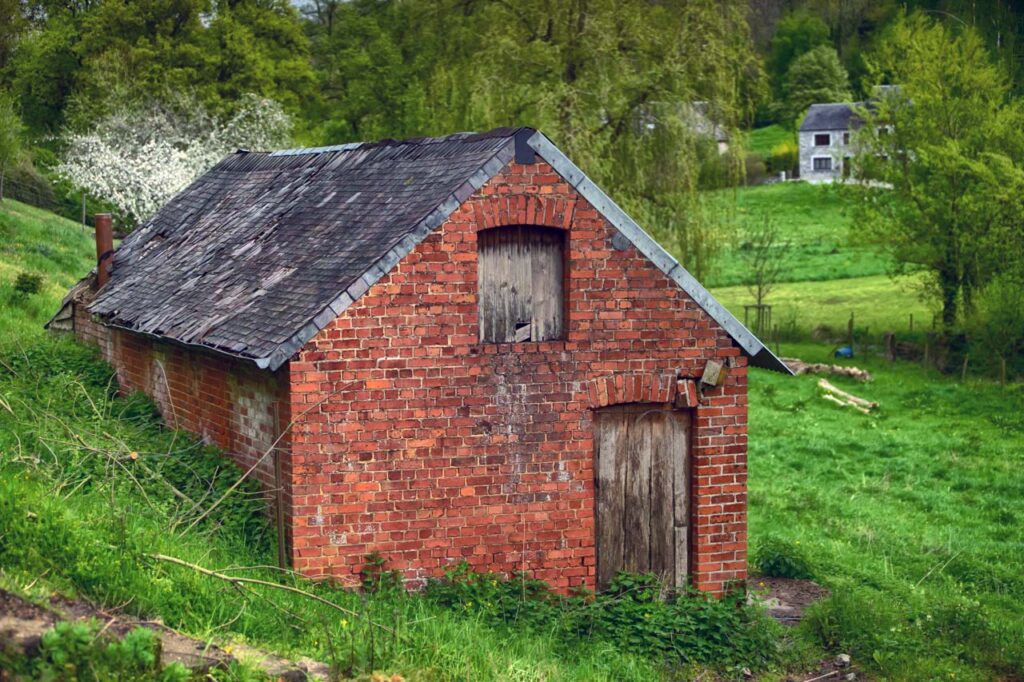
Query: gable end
(759, 354)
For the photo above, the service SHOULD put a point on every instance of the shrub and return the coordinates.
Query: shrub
(375, 576)
(784, 157)
(635, 614)
(25, 184)
(778, 558)
(28, 283)
(755, 169)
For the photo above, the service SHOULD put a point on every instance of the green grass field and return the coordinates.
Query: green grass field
(878, 304)
(762, 140)
(828, 273)
(911, 515)
(814, 220)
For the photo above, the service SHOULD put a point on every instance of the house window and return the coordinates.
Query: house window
(520, 284)
(846, 138)
(822, 139)
(822, 163)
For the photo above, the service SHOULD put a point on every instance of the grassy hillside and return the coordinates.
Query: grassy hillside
(763, 140)
(911, 516)
(814, 220)
(878, 304)
(828, 272)
(36, 241)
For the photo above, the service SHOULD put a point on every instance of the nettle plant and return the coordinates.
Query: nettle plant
(636, 613)
(141, 155)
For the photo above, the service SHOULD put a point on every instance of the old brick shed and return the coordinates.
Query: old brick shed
(441, 349)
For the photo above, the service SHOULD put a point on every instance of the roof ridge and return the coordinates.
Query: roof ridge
(467, 136)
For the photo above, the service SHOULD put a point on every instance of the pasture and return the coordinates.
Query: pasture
(910, 516)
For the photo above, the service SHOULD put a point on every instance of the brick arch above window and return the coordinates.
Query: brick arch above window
(540, 211)
(649, 387)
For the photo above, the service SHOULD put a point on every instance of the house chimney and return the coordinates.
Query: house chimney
(104, 247)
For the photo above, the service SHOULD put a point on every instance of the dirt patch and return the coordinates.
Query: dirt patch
(784, 598)
(23, 623)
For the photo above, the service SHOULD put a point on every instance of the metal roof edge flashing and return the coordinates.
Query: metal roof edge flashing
(759, 354)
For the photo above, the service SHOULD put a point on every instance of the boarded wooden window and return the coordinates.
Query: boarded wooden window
(642, 491)
(520, 294)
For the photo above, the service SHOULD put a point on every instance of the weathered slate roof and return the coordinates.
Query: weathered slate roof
(266, 249)
(829, 116)
(261, 245)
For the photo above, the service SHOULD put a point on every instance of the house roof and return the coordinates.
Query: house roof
(266, 249)
(829, 116)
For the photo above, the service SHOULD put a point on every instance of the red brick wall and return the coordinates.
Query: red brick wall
(414, 440)
(224, 401)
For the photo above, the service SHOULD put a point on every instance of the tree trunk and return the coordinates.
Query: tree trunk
(948, 285)
(3, 173)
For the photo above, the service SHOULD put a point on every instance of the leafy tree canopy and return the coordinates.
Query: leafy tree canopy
(950, 142)
(814, 77)
(797, 34)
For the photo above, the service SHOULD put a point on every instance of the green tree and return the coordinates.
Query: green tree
(213, 51)
(258, 46)
(997, 324)
(45, 69)
(12, 23)
(814, 77)
(950, 142)
(11, 149)
(796, 34)
(592, 74)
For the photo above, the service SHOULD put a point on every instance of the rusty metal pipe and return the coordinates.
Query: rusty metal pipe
(104, 247)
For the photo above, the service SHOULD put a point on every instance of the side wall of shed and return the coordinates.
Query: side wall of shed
(414, 440)
(224, 401)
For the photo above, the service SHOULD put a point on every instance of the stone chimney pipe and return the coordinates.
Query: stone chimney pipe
(104, 247)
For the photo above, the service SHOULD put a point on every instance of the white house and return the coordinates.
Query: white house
(825, 137)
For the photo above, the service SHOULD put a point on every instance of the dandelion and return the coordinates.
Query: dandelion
(133, 454)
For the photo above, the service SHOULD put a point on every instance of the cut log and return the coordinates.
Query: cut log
(848, 397)
(845, 403)
(800, 367)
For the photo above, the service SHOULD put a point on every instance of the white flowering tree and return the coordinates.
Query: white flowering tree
(139, 157)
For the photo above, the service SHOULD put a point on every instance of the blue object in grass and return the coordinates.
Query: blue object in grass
(844, 352)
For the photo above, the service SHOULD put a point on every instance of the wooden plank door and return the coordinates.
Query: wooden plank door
(520, 273)
(643, 491)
